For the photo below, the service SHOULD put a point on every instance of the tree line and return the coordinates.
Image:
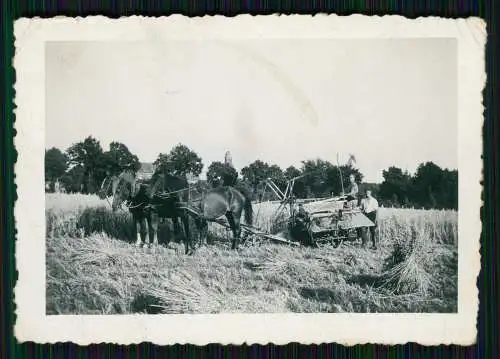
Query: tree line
(84, 165)
(430, 187)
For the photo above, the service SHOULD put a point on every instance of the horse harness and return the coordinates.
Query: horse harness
(162, 196)
(132, 205)
(130, 200)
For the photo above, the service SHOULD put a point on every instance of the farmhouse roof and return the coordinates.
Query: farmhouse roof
(146, 170)
(147, 167)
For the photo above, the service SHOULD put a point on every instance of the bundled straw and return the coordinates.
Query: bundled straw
(182, 293)
(408, 262)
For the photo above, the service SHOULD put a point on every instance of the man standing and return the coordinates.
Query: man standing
(370, 208)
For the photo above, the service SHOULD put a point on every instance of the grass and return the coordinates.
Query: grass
(93, 269)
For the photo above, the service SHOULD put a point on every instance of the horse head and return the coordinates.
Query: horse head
(105, 187)
(123, 189)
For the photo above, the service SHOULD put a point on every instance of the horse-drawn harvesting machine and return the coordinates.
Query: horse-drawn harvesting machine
(315, 222)
(291, 220)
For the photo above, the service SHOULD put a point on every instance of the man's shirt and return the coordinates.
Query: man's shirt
(353, 189)
(370, 205)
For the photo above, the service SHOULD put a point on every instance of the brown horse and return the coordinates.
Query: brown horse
(167, 196)
(224, 201)
(147, 202)
(126, 189)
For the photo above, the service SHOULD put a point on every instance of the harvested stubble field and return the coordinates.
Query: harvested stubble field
(92, 268)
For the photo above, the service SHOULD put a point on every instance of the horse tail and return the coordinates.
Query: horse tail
(248, 209)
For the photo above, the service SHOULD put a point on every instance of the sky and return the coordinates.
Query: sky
(390, 102)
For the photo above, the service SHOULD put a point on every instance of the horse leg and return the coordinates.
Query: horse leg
(138, 230)
(153, 228)
(187, 235)
(237, 221)
(146, 232)
(199, 225)
(202, 225)
(175, 225)
(234, 223)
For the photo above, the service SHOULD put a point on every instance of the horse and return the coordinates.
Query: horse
(126, 189)
(169, 196)
(162, 197)
(106, 188)
(166, 196)
(224, 201)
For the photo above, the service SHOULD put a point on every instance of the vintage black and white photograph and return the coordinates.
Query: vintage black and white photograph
(347, 204)
(256, 175)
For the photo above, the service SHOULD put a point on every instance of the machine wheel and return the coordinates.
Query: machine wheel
(304, 237)
(336, 242)
(322, 243)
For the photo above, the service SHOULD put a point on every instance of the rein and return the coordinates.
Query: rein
(130, 206)
(128, 203)
(166, 194)
(162, 195)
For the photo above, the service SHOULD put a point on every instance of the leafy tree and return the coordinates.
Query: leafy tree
(73, 179)
(450, 183)
(255, 173)
(323, 178)
(56, 164)
(319, 177)
(258, 171)
(299, 187)
(179, 161)
(161, 162)
(88, 155)
(291, 172)
(219, 173)
(374, 187)
(428, 188)
(395, 200)
(396, 182)
(276, 174)
(432, 202)
(119, 158)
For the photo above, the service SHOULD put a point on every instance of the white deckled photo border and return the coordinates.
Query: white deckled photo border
(32, 323)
